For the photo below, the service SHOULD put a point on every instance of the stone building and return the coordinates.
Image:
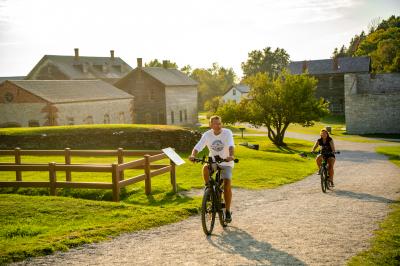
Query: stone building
(372, 103)
(236, 93)
(162, 95)
(330, 75)
(62, 102)
(57, 67)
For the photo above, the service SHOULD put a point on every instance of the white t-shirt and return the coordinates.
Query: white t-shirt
(217, 144)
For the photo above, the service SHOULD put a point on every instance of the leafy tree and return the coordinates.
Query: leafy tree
(212, 81)
(229, 112)
(265, 61)
(187, 69)
(156, 63)
(213, 104)
(277, 103)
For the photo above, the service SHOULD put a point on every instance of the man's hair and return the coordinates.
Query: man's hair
(215, 117)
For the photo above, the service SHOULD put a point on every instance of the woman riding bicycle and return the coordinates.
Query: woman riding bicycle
(328, 150)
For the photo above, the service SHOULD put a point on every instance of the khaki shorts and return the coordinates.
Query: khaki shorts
(226, 172)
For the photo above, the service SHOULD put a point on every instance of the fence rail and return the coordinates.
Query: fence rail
(116, 169)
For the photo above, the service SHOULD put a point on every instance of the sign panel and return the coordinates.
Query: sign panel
(173, 156)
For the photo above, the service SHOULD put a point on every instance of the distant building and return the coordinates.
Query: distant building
(12, 78)
(236, 93)
(162, 95)
(330, 74)
(59, 67)
(62, 102)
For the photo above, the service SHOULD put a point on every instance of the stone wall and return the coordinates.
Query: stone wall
(182, 140)
(98, 112)
(372, 103)
(182, 101)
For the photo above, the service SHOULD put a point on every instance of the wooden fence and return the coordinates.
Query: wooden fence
(116, 169)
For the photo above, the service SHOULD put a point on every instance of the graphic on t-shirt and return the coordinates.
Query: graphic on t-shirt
(217, 145)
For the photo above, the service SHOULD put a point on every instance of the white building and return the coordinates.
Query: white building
(236, 93)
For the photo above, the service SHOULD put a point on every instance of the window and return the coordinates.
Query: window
(33, 123)
(88, 120)
(172, 117)
(70, 121)
(180, 116)
(121, 117)
(185, 115)
(234, 92)
(106, 119)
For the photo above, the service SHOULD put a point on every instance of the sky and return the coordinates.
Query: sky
(191, 32)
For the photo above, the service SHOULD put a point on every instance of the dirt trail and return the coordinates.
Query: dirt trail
(295, 224)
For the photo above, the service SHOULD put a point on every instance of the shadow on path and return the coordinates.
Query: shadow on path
(361, 196)
(237, 241)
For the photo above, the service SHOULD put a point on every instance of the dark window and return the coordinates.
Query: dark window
(185, 115)
(106, 119)
(172, 117)
(234, 92)
(34, 123)
(180, 116)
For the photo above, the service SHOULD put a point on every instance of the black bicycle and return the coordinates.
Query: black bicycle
(213, 202)
(323, 171)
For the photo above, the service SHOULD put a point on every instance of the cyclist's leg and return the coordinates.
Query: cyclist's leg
(319, 161)
(331, 164)
(226, 174)
(206, 174)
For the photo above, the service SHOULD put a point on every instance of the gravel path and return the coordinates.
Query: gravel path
(295, 224)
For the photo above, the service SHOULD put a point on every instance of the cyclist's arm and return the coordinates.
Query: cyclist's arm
(315, 146)
(199, 147)
(332, 145)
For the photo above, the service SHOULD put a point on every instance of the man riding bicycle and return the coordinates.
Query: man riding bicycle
(220, 143)
(328, 150)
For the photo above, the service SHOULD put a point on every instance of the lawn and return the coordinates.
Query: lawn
(385, 245)
(38, 224)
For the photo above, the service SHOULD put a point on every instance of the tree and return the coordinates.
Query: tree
(156, 63)
(213, 104)
(213, 81)
(277, 103)
(229, 112)
(265, 61)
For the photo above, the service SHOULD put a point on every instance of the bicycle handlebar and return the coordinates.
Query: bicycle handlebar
(217, 160)
(326, 153)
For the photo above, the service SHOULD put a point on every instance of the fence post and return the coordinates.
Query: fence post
(67, 161)
(18, 176)
(147, 173)
(53, 178)
(115, 182)
(121, 161)
(173, 175)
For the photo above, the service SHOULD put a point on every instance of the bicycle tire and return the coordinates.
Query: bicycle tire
(221, 213)
(324, 180)
(208, 212)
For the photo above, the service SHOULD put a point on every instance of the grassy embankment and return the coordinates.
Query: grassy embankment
(38, 224)
(385, 245)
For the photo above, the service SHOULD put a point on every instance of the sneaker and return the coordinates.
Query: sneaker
(332, 185)
(228, 217)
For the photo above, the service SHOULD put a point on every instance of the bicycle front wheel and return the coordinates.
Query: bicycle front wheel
(324, 180)
(208, 212)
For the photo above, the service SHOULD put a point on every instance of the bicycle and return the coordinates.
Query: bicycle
(323, 170)
(212, 199)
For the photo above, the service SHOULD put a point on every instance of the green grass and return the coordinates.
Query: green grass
(84, 128)
(385, 245)
(39, 224)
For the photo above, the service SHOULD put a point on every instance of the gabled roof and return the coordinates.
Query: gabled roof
(74, 69)
(243, 88)
(67, 91)
(326, 66)
(169, 76)
(11, 78)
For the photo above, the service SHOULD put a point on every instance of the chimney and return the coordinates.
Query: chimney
(76, 54)
(165, 64)
(304, 67)
(335, 63)
(112, 54)
(139, 62)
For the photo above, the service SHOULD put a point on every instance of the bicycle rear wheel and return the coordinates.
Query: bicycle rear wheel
(324, 180)
(208, 212)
